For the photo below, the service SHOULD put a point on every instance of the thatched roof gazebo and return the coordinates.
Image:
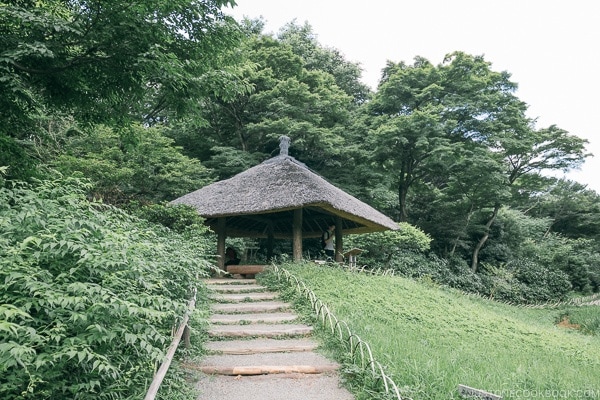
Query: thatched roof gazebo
(282, 198)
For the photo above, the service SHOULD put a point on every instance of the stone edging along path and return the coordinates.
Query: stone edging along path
(257, 350)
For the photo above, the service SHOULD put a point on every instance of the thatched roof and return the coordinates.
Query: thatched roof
(265, 196)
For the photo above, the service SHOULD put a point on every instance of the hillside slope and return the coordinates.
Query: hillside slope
(433, 339)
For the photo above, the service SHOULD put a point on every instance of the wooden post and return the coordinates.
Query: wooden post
(339, 243)
(221, 235)
(164, 367)
(186, 337)
(270, 241)
(297, 234)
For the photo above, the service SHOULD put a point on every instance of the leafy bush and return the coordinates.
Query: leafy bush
(135, 163)
(522, 281)
(179, 218)
(14, 159)
(577, 258)
(90, 294)
(382, 247)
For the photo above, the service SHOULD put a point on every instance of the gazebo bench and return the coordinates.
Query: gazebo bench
(245, 269)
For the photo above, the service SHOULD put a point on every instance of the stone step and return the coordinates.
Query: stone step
(267, 318)
(267, 363)
(261, 346)
(260, 330)
(258, 307)
(243, 297)
(234, 288)
(272, 387)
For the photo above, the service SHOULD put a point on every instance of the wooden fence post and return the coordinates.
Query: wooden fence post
(164, 367)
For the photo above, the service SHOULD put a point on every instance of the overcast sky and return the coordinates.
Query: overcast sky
(550, 47)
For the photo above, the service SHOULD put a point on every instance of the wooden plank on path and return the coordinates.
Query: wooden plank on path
(269, 369)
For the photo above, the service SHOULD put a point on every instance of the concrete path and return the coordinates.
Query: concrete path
(259, 351)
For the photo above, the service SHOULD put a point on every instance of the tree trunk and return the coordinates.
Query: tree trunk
(406, 177)
(484, 238)
(467, 222)
(402, 192)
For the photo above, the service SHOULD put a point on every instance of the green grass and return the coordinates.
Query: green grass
(586, 317)
(431, 339)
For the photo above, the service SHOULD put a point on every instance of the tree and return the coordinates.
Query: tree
(438, 128)
(134, 163)
(304, 43)
(107, 60)
(286, 98)
(573, 209)
(406, 128)
(530, 151)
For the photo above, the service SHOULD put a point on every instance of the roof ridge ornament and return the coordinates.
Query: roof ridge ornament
(284, 145)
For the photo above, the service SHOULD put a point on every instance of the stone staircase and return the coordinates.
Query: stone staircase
(259, 351)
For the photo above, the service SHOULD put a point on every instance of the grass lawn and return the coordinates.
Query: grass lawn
(431, 339)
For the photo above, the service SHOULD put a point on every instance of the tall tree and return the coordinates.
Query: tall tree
(304, 42)
(106, 60)
(425, 119)
(406, 128)
(134, 163)
(103, 58)
(530, 151)
(286, 99)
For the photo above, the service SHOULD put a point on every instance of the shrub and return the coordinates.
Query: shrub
(90, 294)
(383, 247)
(179, 218)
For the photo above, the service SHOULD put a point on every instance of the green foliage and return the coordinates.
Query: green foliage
(179, 218)
(287, 97)
(577, 258)
(431, 339)
(458, 135)
(381, 247)
(522, 281)
(585, 318)
(72, 55)
(133, 163)
(526, 281)
(89, 293)
(229, 161)
(18, 164)
(574, 209)
(303, 42)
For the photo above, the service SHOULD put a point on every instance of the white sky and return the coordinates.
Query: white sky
(551, 47)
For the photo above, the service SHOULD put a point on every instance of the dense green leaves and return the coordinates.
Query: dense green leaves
(89, 294)
(104, 60)
(136, 163)
(287, 97)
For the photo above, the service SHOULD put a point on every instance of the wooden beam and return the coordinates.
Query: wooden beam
(297, 235)
(269, 369)
(270, 241)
